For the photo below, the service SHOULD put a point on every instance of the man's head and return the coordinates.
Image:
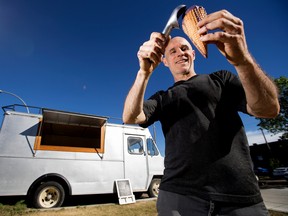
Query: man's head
(179, 56)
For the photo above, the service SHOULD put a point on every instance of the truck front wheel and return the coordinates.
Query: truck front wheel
(48, 195)
(153, 190)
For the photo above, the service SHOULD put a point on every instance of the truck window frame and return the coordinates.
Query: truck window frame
(70, 132)
(135, 145)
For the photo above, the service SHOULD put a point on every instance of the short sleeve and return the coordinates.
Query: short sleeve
(152, 108)
(234, 92)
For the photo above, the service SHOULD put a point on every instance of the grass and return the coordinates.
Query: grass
(144, 208)
(18, 209)
(139, 208)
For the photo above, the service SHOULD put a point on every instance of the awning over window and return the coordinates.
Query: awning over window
(69, 118)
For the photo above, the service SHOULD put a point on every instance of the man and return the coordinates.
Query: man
(208, 168)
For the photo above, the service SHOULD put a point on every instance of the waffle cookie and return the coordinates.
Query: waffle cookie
(189, 24)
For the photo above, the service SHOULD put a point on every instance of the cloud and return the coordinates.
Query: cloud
(256, 137)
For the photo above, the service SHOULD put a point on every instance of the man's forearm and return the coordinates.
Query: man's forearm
(261, 92)
(133, 106)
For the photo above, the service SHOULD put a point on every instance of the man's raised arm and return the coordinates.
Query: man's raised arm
(149, 56)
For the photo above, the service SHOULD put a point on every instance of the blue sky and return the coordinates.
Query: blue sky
(80, 55)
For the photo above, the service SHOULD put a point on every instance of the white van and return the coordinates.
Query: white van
(53, 154)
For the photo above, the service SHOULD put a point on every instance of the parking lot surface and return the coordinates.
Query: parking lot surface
(276, 198)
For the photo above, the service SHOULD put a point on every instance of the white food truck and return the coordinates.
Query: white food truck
(54, 154)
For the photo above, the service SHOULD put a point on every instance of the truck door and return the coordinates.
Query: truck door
(136, 161)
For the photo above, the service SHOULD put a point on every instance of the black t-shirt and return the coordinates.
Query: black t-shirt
(206, 148)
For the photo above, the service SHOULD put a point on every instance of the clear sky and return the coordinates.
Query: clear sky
(80, 55)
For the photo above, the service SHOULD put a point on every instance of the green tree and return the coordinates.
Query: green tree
(280, 123)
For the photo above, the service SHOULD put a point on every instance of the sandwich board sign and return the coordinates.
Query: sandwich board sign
(124, 191)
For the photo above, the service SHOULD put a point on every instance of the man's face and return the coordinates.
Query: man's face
(179, 56)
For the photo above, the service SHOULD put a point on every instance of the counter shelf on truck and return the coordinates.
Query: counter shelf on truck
(55, 154)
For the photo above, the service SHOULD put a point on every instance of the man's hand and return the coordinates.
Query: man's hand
(261, 92)
(230, 39)
(151, 52)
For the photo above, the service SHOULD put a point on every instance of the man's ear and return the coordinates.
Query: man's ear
(164, 61)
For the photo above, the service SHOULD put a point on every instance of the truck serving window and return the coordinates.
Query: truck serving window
(64, 131)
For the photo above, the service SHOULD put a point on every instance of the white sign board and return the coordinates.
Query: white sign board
(124, 191)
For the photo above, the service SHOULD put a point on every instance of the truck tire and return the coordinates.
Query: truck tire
(48, 195)
(153, 190)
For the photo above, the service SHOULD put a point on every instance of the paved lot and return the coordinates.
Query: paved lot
(276, 198)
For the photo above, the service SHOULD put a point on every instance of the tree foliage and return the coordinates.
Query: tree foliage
(280, 123)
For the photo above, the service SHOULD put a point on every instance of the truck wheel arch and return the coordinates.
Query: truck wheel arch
(47, 178)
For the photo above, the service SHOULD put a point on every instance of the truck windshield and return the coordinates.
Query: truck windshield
(151, 147)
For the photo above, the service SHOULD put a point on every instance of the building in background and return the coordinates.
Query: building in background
(268, 156)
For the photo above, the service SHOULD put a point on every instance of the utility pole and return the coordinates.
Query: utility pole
(265, 139)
